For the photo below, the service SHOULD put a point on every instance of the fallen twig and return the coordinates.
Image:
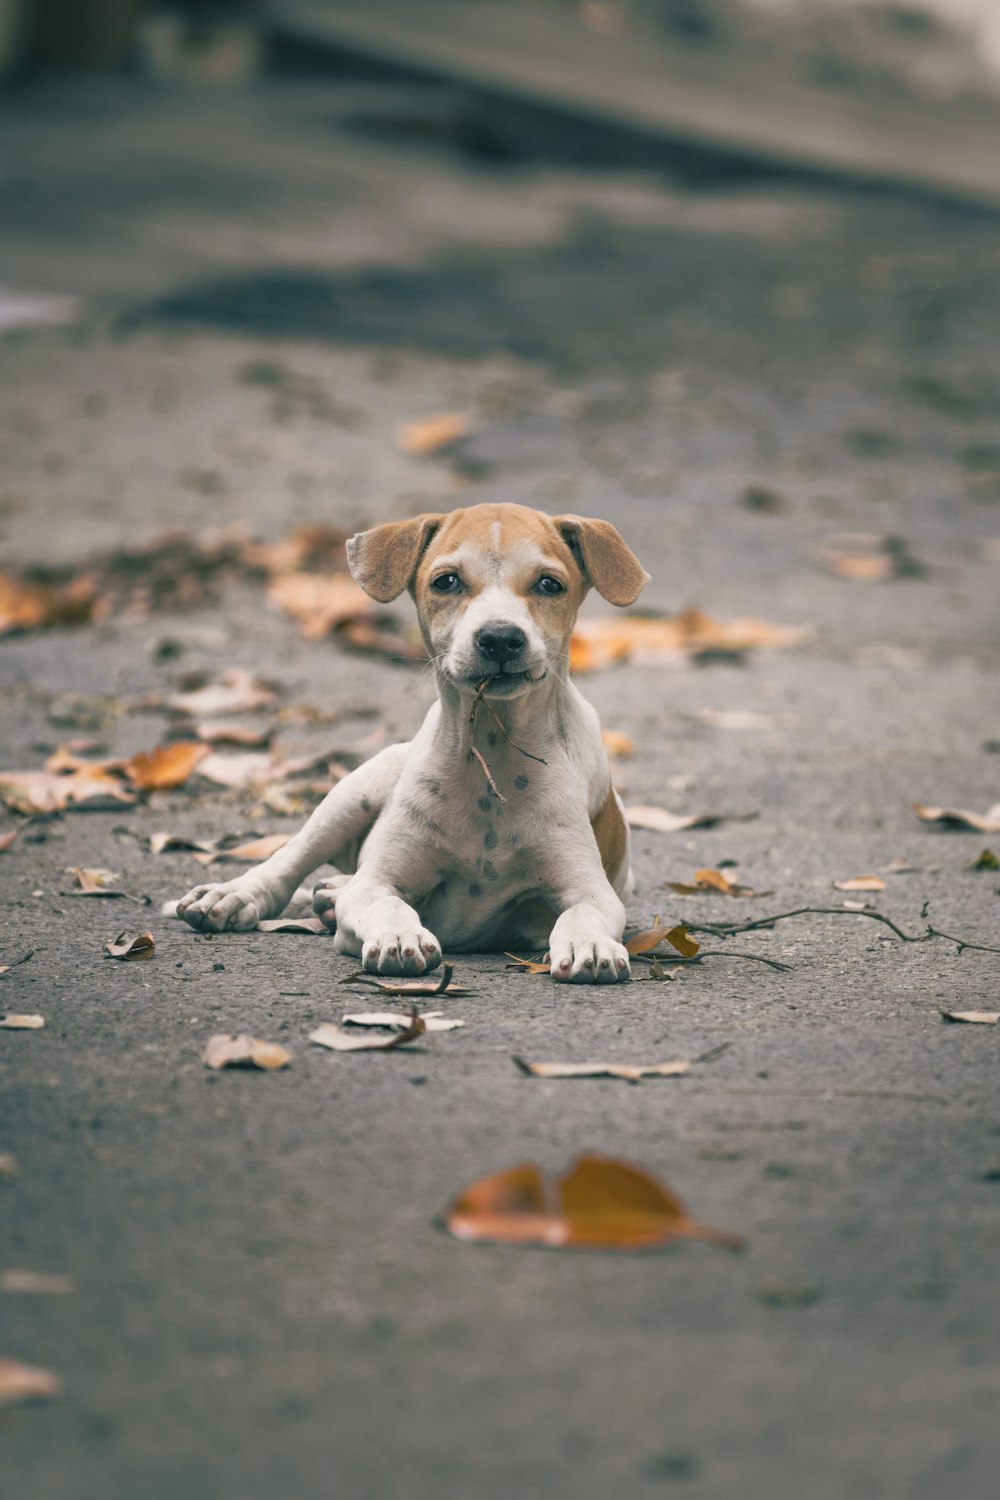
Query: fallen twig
(756, 958)
(730, 929)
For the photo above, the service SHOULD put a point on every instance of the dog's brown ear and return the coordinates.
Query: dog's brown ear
(384, 560)
(605, 561)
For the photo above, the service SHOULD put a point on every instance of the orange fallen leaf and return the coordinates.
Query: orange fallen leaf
(629, 1072)
(20, 1383)
(127, 947)
(22, 1023)
(434, 984)
(431, 434)
(252, 853)
(220, 733)
(165, 767)
(528, 965)
(600, 1204)
(318, 604)
(41, 792)
(616, 743)
(860, 883)
(654, 640)
(36, 606)
(956, 818)
(652, 937)
(244, 1051)
(713, 880)
(6, 839)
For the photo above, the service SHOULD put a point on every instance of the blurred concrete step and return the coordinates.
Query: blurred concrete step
(636, 80)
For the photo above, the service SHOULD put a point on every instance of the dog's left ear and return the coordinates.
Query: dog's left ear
(384, 560)
(604, 559)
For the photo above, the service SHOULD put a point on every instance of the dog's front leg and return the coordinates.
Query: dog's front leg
(375, 924)
(344, 815)
(585, 944)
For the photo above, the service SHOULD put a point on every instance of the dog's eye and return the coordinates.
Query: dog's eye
(549, 585)
(446, 583)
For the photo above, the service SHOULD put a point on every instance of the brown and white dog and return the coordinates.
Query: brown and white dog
(440, 853)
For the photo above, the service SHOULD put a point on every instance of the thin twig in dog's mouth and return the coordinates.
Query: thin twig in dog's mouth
(480, 690)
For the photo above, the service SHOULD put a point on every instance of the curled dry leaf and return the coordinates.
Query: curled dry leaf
(616, 743)
(127, 947)
(433, 1020)
(167, 843)
(860, 883)
(318, 604)
(253, 853)
(20, 1383)
(430, 434)
(331, 1036)
(956, 818)
(43, 792)
(864, 557)
(165, 767)
(22, 1023)
(243, 1051)
(631, 1073)
(92, 878)
(659, 820)
(307, 926)
(692, 633)
(237, 771)
(528, 965)
(44, 1283)
(652, 937)
(434, 984)
(709, 881)
(234, 691)
(221, 733)
(600, 1204)
(36, 606)
(972, 1017)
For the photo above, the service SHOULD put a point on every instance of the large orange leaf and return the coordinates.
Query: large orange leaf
(600, 1204)
(165, 767)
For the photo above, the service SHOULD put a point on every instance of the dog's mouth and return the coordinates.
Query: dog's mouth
(503, 683)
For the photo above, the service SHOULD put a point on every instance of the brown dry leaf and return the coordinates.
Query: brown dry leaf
(41, 792)
(528, 965)
(652, 937)
(314, 547)
(220, 733)
(234, 691)
(331, 1036)
(26, 1383)
(243, 1051)
(692, 633)
(245, 854)
(987, 860)
(860, 883)
(168, 843)
(383, 635)
(631, 1073)
(972, 1017)
(430, 434)
(956, 818)
(43, 1283)
(306, 925)
(95, 879)
(22, 1023)
(237, 771)
(865, 557)
(76, 756)
(36, 606)
(659, 820)
(434, 984)
(616, 743)
(434, 1020)
(6, 839)
(600, 1204)
(318, 604)
(127, 947)
(706, 881)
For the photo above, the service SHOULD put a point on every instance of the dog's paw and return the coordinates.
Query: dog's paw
(222, 908)
(324, 899)
(596, 961)
(411, 951)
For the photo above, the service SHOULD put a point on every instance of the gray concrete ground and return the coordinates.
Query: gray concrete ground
(263, 1305)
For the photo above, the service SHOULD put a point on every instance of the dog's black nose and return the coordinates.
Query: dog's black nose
(500, 641)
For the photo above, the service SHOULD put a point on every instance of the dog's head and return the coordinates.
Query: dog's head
(497, 587)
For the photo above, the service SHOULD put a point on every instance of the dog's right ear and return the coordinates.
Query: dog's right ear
(384, 560)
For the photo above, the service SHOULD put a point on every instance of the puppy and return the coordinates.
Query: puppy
(497, 825)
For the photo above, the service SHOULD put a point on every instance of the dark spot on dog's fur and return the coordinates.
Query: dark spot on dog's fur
(475, 890)
(490, 841)
(521, 782)
(489, 871)
(434, 787)
(365, 805)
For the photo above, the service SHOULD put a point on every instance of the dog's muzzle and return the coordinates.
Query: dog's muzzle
(501, 647)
